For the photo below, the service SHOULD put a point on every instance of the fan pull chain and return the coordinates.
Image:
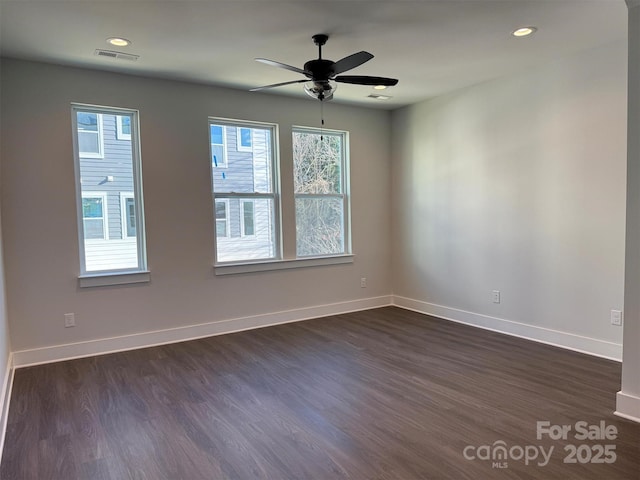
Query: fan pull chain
(321, 120)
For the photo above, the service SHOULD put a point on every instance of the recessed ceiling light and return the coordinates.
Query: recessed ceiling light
(524, 31)
(118, 42)
(379, 87)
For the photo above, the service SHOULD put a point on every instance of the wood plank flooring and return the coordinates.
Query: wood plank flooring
(380, 394)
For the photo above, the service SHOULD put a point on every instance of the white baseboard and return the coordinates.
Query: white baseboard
(90, 348)
(628, 406)
(5, 396)
(570, 341)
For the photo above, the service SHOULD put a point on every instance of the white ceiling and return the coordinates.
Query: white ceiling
(432, 47)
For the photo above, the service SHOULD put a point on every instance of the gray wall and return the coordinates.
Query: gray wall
(39, 209)
(5, 340)
(518, 185)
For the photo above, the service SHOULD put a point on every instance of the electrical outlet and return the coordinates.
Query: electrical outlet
(69, 320)
(495, 296)
(363, 282)
(616, 318)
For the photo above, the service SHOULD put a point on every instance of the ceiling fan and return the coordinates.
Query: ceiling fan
(322, 75)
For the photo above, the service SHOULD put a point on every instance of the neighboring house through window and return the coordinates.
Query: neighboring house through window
(109, 191)
(245, 192)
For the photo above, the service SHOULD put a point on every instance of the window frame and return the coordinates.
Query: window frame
(243, 227)
(274, 194)
(120, 135)
(99, 133)
(344, 187)
(137, 274)
(227, 218)
(105, 213)
(124, 214)
(239, 146)
(225, 154)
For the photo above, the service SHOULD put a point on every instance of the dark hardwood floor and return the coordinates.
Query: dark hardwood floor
(380, 394)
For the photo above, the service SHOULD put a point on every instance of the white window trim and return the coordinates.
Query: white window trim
(225, 154)
(124, 213)
(105, 214)
(226, 218)
(344, 183)
(239, 146)
(253, 203)
(265, 266)
(112, 277)
(100, 134)
(120, 135)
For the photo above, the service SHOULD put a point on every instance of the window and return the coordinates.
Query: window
(247, 225)
(90, 141)
(320, 187)
(109, 191)
(222, 218)
(244, 140)
(123, 127)
(248, 221)
(128, 214)
(94, 215)
(218, 134)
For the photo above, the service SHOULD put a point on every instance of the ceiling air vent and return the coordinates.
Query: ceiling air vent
(116, 55)
(379, 97)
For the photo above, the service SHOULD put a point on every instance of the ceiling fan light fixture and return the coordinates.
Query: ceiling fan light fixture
(321, 90)
(524, 31)
(118, 41)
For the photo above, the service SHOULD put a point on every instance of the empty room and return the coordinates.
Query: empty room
(351, 239)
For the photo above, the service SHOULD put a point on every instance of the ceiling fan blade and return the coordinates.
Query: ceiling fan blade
(278, 85)
(352, 61)
(273, 63)
(364, 80)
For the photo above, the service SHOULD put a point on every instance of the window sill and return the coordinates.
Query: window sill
(121, 278)
(237, 268)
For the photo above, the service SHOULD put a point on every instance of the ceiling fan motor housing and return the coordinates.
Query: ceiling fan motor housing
(320, 70)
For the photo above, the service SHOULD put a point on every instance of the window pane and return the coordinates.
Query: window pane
(112, 234)
(131, 217)
(248, 221)
(262, 243)
(216, 134)
(319, 226)
(221, 228)
(87, 121)
(217, 153)
(125, 121)
(245, 172)
(92, 207)
(89, 142)
(317, 161)
(221, 211)
(93, 228)
(245, 137)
